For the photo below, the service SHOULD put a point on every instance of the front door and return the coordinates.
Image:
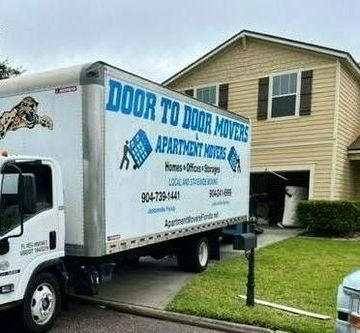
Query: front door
(30, 247)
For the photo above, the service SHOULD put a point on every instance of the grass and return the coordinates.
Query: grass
(299, 272)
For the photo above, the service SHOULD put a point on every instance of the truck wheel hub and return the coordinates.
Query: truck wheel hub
(203, 253)
(43, 304)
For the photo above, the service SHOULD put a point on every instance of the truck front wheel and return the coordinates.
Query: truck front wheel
(193, 255)
(41, 303)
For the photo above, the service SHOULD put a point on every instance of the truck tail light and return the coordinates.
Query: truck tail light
(354, 320)
(8, 288)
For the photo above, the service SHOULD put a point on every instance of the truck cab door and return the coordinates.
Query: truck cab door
(28, 225)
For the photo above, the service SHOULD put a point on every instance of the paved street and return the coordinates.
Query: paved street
(150, 283)
(84, 318)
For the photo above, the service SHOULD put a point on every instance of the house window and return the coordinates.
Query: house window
(207, 94)
(284, 95)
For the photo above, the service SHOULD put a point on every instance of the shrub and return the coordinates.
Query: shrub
(329, 218)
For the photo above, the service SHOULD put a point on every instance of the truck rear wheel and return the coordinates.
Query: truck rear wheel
(41, 303)
(193, 256)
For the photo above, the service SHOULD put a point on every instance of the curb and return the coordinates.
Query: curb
(155, 313)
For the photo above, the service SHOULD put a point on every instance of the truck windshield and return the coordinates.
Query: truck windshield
(10, 216)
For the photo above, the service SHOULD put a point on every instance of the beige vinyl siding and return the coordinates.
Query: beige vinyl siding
(313, 157)
(301, 141)
(258, 59)
(348, 129)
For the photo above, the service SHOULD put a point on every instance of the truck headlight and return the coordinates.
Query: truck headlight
(8, 288)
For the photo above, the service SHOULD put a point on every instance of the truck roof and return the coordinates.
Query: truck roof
(41, 80)
(79, 74)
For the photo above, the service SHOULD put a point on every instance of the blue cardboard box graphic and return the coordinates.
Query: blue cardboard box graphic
(233, 158)
(140, 148)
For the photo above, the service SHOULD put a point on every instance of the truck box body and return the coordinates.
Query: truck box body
(140, 163)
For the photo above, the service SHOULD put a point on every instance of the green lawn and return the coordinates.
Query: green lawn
(299, 272)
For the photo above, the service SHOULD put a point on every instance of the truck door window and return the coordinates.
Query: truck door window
(9, 204)
(9, 208)
(43, 182)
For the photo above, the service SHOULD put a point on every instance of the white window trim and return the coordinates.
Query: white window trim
(217, 87)
(297, 101)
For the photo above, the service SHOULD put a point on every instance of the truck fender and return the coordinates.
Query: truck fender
(54, 266)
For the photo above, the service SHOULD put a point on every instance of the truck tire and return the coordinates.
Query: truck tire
(193, 256)
(41, 303)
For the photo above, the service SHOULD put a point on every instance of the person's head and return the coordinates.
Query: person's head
(127, 142)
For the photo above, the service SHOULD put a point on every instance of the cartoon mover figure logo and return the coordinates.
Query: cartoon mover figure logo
(23, 115)
(139, 149)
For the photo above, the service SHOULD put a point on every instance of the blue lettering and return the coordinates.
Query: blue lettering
(159, 147)
(197, 120)
(166, 104)
(131, 100)
(246, 137)
(113, 102)
(194, 119)
(219, 126)
(187, 117)
(242, 129)
(174, 117)
(150, 105)
(139, 102)
(127, 99)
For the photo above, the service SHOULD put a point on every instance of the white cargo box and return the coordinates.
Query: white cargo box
(140, 163)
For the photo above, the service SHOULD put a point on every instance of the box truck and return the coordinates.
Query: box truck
(104, 166)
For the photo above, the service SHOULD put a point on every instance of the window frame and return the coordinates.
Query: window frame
(217, 87)
(297, 94)
(38, 212)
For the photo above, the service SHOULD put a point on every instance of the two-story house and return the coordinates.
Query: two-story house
(304, 104)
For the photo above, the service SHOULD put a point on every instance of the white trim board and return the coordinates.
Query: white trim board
(297, 95)
(336, 122)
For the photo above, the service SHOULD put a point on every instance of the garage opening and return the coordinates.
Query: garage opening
(274, 195)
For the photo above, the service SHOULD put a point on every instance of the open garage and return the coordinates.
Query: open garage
(273, 195)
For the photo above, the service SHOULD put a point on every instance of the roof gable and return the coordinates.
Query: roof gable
(346, 56)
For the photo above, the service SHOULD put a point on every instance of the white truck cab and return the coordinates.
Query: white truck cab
(31, 237)
(348, 304)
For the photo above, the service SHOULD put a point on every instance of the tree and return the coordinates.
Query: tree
(7, 71)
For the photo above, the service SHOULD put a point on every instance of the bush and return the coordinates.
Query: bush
(329, 218)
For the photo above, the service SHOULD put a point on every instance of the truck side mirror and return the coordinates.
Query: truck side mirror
(28, 193)
(4, 246)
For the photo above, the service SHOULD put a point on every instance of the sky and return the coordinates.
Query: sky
(157, 38)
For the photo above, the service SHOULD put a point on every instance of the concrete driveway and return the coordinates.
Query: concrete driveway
(155, 282)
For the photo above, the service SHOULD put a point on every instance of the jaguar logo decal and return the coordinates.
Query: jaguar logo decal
(23, 115)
